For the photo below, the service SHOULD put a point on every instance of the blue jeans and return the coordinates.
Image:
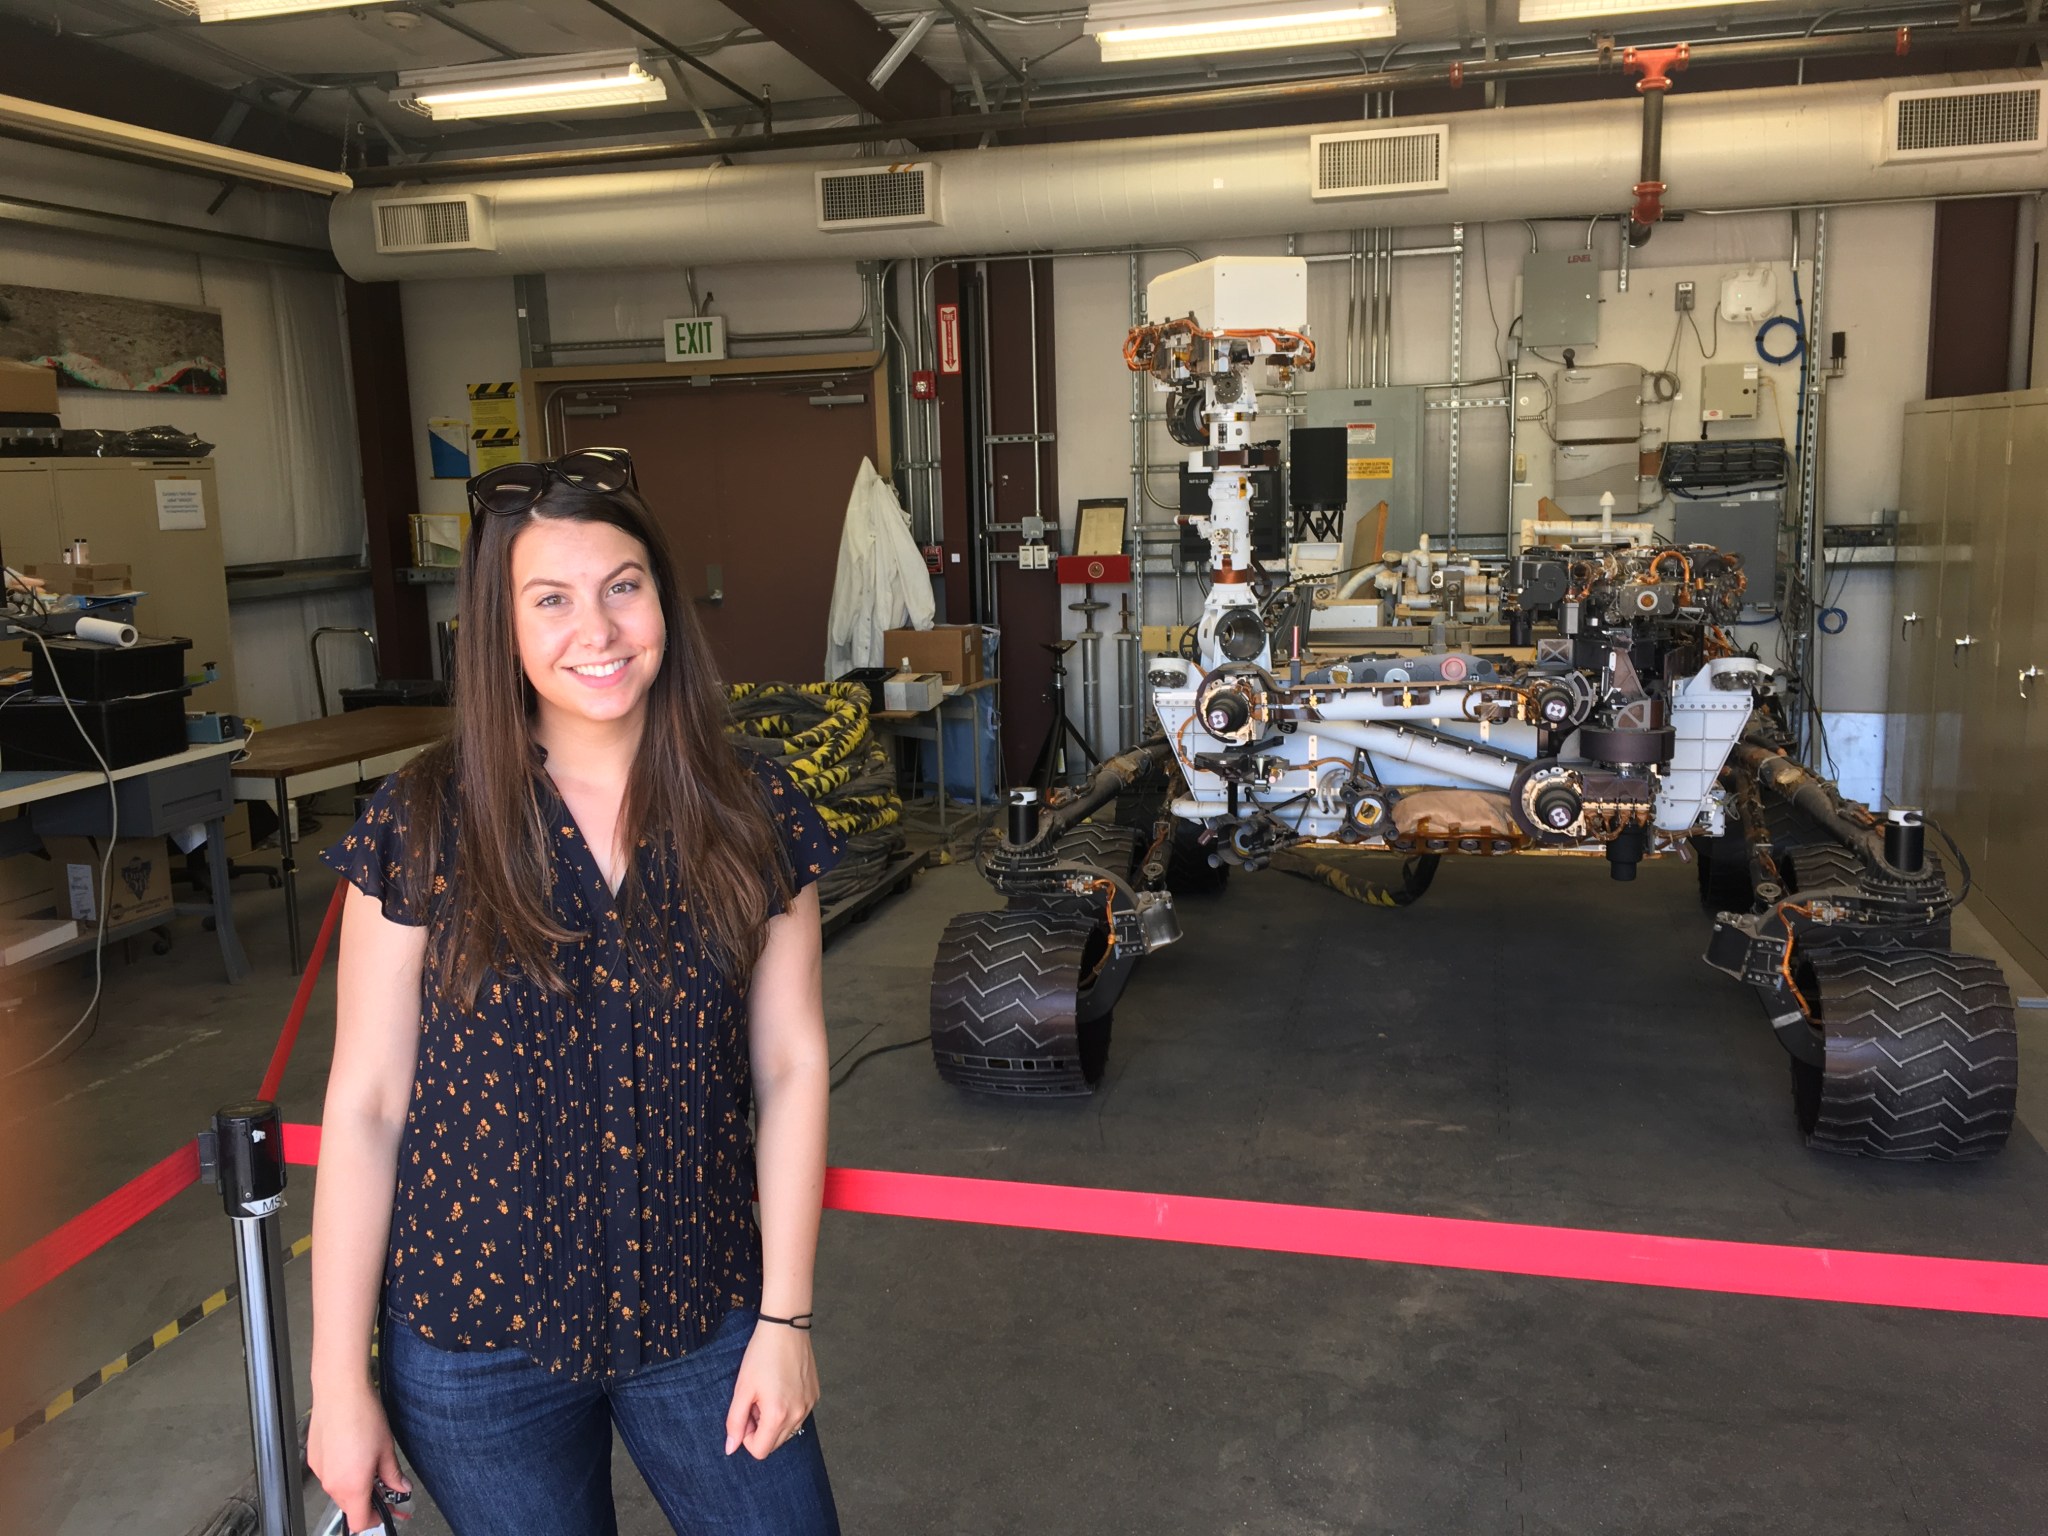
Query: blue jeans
(501, 1445)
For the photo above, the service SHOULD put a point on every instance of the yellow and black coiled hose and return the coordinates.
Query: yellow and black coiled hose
(818, 734)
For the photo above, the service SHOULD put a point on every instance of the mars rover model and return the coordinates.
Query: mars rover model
(1617, 721)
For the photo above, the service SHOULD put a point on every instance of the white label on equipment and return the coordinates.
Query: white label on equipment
(78, 880)
(180, 504)
(1362, 433)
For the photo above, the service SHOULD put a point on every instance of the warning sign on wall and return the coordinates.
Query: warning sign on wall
(949, 338)
(1368, 469)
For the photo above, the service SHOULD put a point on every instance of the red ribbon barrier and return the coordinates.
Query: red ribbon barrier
(1857, 1276)
(281, 1054)
(1564, 1253)
(97, 1225)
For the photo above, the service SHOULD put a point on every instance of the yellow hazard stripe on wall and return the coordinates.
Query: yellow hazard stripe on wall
(65, 1401)
(507, 389)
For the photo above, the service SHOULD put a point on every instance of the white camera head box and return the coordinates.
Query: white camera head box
(1233, 293)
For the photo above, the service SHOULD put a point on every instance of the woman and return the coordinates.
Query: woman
(582, 933)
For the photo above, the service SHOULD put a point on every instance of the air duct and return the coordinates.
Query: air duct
(1812, 144)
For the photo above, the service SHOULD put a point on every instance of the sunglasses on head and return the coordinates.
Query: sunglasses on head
(514, 488)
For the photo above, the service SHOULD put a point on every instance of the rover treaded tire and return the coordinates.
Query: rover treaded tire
(1922, 1060)
(1112, 848)
(1006, 992)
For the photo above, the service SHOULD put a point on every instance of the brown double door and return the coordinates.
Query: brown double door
(749, 478)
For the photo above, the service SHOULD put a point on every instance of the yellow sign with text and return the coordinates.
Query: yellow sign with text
(1368, 469)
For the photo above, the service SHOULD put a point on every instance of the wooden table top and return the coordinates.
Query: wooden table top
(329, 742)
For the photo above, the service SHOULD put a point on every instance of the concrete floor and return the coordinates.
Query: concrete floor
(1531, 1043)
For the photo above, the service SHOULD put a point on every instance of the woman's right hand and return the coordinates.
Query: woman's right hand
(350, 1449)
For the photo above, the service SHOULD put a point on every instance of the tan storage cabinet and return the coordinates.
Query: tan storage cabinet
(112, 503)
(1967, 733)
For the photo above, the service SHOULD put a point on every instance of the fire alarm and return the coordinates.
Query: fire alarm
(924, 385)
(934, 558)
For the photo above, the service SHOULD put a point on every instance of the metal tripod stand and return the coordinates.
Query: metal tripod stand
(1053, 755)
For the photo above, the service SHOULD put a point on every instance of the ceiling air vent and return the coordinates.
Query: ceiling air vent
(1961, 121)
(408, 225)
(878, 196)
(1377, 162)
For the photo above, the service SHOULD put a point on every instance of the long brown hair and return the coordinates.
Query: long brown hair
(688, 788)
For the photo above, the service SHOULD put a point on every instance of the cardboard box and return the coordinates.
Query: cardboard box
(93, 579)
(140, 878)
(912, 690)
(951, 650)
(24, 885)
(26, 390)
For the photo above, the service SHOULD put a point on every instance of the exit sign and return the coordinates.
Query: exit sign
(693, 340)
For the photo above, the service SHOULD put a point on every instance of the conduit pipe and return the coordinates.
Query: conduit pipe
(1656, 66)
(1730, 149)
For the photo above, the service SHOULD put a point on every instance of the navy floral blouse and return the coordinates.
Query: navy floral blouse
(576, 1175)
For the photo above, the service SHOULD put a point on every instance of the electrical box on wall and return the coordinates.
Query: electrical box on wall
(1582, 472)
(1560, 299)
(1728, 391)
(1382, 461)
(1746, 524)
(1603, 404)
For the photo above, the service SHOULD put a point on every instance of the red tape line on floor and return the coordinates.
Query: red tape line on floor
(281, 1053)
(97, 1225)
(1561, 1253)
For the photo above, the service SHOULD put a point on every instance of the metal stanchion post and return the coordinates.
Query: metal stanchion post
(249, 1162)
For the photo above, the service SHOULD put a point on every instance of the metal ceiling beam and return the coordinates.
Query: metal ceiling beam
(838, 41)
(974, 29)
(1123, 112)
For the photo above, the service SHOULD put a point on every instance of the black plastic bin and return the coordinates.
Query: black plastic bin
(38, 732)
(88, 670)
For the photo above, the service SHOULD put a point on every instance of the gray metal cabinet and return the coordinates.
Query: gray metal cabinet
(1967, 731)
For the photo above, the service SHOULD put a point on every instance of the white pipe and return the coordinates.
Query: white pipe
(1519, 162)
(1421, 752)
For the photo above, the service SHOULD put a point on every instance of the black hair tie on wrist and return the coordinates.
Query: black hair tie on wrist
(802, 1320)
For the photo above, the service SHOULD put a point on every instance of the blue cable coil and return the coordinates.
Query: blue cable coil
(1798, 329)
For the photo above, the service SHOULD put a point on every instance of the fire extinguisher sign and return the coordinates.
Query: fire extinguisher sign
(949, 338)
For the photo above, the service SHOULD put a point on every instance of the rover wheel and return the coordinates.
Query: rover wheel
(1922, 1059)
(1113, 848)
(1007, 1000)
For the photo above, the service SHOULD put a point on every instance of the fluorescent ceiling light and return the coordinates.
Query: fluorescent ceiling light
(1155, 29)
(243, 10)
(1536, 12)
(565, 83)
(56, 125)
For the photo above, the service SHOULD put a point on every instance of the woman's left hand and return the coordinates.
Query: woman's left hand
(777, 1389)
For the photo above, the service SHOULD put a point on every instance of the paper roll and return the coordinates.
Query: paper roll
(105, 631)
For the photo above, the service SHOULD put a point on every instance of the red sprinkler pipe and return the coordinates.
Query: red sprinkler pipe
(1656, 66)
